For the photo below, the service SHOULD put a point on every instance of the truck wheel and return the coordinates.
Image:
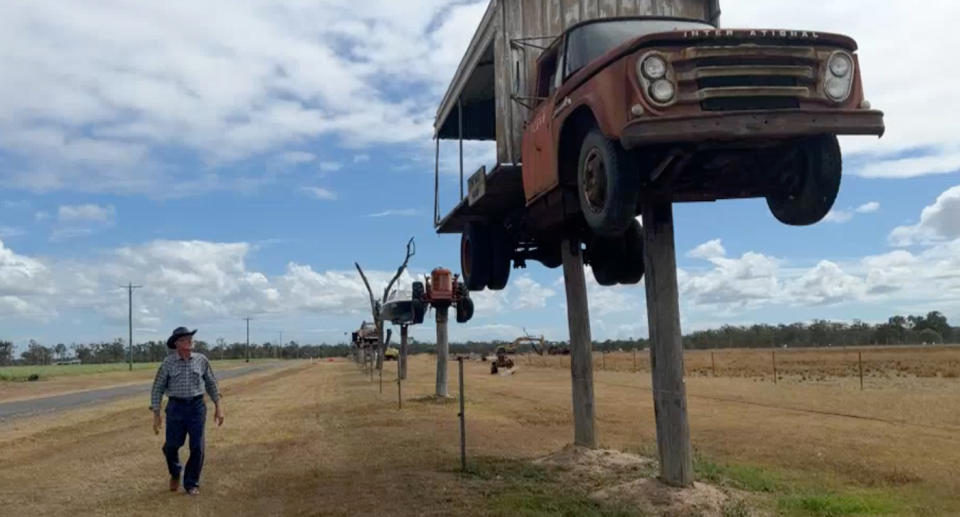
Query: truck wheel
(812, 186)
(632, 268)
(475, 256)
(606, 257)
(464, 310)
(501, 257)
(607, 185)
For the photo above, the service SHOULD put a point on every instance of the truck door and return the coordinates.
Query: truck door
(539, 156)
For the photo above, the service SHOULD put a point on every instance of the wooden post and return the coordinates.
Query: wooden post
(773, 356)
(713, 361)
(860, 362)
(463, 421)
(666, 345)
(581, 356)
(402, 364)
(443, 350)
(399, 387)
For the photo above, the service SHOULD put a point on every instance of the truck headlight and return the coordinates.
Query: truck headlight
(662, 91)
(840, 64)
(654, 67)
(839, 79)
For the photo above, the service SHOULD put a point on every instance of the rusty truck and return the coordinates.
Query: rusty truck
(600, 106)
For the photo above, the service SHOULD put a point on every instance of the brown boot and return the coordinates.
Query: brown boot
(174, 484)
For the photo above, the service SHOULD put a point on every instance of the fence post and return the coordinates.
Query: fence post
(463, 422)
(399, 386)
(774, 356)
(603, 360)
(860, 362)
(713, 361)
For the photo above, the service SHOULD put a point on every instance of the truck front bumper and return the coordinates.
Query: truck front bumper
(746, 125)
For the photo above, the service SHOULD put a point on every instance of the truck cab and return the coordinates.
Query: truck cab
(623, 111)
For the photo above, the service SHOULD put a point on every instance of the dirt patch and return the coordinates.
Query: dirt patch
(652, 497)
(594, 469)
(627, 480)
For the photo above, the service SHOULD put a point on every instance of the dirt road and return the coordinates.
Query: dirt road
(22, 408)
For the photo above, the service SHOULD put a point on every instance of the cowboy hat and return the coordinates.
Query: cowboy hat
(178, 333)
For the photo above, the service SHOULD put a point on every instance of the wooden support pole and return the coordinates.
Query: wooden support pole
(666, 346)
(860, 362)
(402, 363)
(463, 421)
(399, 388)
(443, 350)
(581, 355)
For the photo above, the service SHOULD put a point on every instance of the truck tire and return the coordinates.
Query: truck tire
(475, 256)
(813, 186)
(632, 268)
(606, 257)
(464, 310)
(607, 185)
(501, 257)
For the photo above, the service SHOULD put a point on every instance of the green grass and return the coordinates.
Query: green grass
(743, 477)
(23, 373)
(519, 489)
(835, 505)
(797, 494)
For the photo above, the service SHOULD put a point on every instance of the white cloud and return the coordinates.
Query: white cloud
(708, 250)
(95, 94)
(943, 163)
(868, 208)
(330, 166)
(7, 232)
(14, 204)
(529, 294)
(41, 216)
(748, 280)
(86, 213)
(319, 193)
(361, 158)
(402, 212)
(939, 221)
(297, 157)
(838, 216)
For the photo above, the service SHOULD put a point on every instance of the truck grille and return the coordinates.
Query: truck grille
(745, 77)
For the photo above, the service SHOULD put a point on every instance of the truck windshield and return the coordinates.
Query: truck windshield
(590, 41)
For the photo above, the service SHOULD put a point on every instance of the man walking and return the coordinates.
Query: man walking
(183, 376)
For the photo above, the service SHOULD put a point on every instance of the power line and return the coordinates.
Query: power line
(130, 287)
(247, 319)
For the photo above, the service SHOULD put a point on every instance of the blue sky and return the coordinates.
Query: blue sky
(237, 159)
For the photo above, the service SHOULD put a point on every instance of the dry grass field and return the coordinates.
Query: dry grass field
(319, 439)
(57, 380)
(795, 364)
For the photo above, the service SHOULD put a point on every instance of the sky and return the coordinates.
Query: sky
(236, 158)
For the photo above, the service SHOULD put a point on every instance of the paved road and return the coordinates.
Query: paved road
(22, 408)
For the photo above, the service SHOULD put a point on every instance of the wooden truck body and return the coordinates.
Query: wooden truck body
(598, 107)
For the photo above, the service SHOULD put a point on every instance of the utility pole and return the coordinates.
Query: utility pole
(247, 352)
(130, 287)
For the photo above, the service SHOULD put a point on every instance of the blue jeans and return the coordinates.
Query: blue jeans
(185, 417)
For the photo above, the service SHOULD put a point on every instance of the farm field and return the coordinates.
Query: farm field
(60, 379)
(319, 439)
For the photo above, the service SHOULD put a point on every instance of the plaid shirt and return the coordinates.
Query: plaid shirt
(183, 378)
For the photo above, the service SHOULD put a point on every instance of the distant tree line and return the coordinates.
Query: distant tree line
(897, 330)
